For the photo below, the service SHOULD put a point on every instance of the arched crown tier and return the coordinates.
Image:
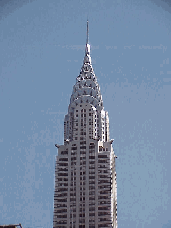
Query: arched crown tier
(86, 88)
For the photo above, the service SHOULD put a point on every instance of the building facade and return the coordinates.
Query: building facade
(85, 178)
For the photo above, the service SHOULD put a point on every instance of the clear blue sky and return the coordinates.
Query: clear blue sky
(41, 52)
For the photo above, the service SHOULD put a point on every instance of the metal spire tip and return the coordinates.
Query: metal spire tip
(87, 33)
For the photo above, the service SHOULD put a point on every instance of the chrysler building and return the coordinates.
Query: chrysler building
(85, 178)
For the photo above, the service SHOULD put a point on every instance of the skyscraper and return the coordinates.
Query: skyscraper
(85, 177)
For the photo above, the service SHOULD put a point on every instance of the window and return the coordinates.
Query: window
(102, 156)
(92, 144)
(73, 148)
(82, 147)
(100, 148)
(64, 152)
(63, 159)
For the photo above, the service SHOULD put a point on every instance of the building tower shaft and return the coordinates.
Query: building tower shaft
(85, 177)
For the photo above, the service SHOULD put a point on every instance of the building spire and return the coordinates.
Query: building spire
(87, 32)
(87, 48)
